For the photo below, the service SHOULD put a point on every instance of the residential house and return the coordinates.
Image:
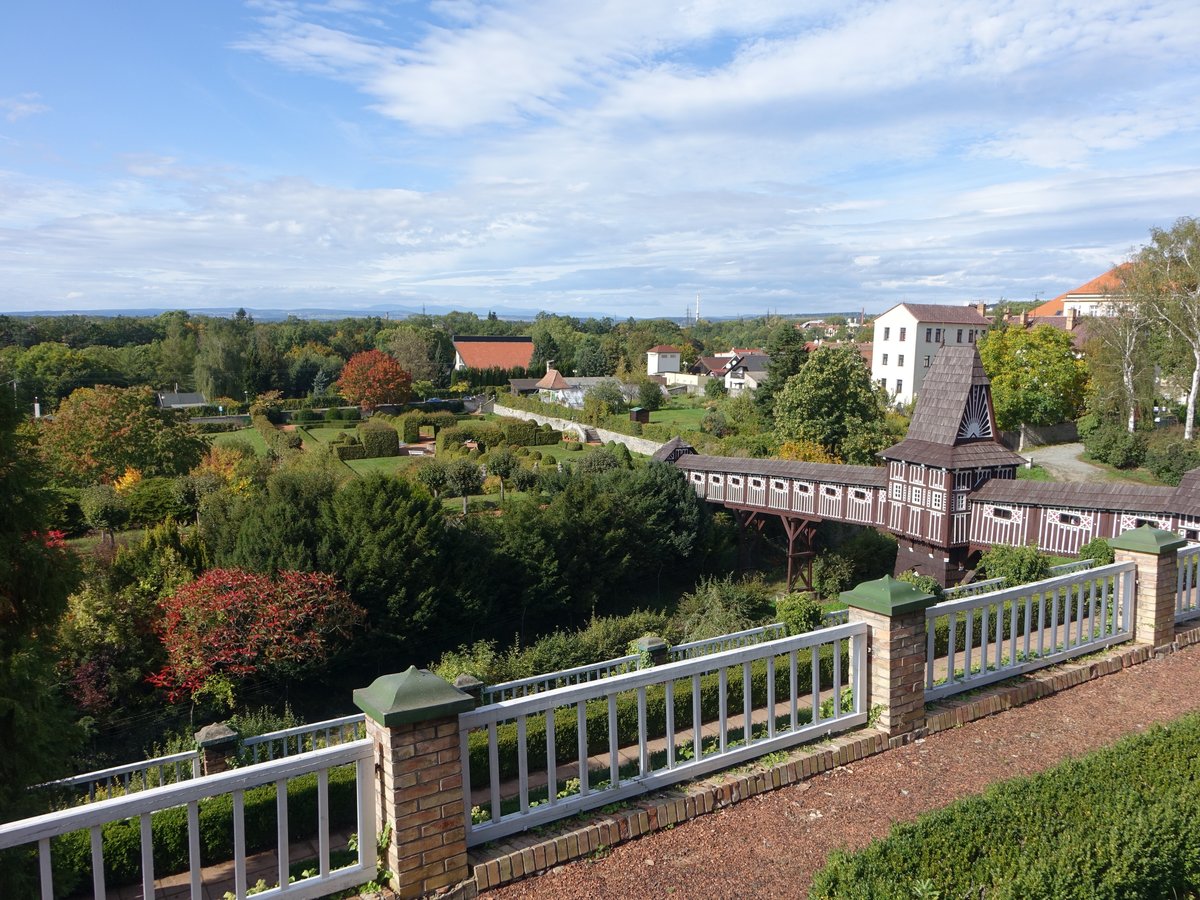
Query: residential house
(1099, 297)
(908, 337)
(662, 359)
(492, 352)
(554, 387)
(746, 372)
(181, 399)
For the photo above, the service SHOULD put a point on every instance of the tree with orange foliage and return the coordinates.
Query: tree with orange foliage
(373, 377)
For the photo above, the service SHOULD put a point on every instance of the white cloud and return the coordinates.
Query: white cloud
(22, 105)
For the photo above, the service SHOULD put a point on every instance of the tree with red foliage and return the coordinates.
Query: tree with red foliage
(229, 625)
(373, 377)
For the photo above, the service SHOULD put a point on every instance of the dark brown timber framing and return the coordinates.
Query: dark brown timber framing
(947, 491)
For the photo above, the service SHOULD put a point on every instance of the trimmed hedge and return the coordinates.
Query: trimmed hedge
(1120, 822)
(276, 440)
(522, 433)
(485, 434)
(566, 739)
(343, 414)
(72, 853)
(378, 439)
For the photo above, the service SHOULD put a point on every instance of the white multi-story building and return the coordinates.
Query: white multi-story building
(662, 359)
(908, 336)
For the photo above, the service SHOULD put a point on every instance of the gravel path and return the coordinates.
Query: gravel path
(1062, 461)
(772, 844)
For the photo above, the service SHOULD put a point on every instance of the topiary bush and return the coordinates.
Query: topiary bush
(801, 613)
(379, 439)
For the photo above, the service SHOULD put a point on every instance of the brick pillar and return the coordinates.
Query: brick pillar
(653, 650)
(412, 719)
(894, 612)
(1155, 553)
(217, 743)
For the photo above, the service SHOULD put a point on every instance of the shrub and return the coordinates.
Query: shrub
(306, 415)
(1119, 822)
(1111, 443)
(379, 439)
(574, 446)
(151, 500)
(832, 574)
(925, 583)
(1168, 460)
(1016, 565)
(801, 613)
(1099, 550)
(720, 606)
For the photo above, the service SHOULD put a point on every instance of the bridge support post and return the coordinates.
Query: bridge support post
(1155, 553)
(412, 719)
(894, 612)
(802, 530)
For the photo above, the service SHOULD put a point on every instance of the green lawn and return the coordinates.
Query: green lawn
(1034, 473)
(244, 435)
(688, 419)
(326, 433)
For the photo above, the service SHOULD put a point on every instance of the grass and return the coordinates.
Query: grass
(1134, 476)
(90, 542)
(1033, 473)
(687, 418)
(245, 436)
(325, 433)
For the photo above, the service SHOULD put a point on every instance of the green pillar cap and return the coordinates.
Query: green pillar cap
(1148, 539)
(887, 596)
(413, 696)
(217, 734)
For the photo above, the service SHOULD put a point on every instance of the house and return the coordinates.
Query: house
(1071, 322)
(662, 359)
(715, 366)
(181, 399)
(746, 372)
(492, 352)
(554, 387)
(1099, 297)
(909, 335)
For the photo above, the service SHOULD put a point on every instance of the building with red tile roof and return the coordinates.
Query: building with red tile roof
(493, 351)
(1090, 299)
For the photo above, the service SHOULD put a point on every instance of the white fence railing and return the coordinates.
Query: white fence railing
(302, 738)
(975, 588)
(750, 636)
(560, 752)
(1187, 598)
(1005, 633)
(132, 777)
(523, 687)
(40, 830)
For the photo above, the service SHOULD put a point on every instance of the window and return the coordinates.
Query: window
(960, 335)
(1004, 515)
(899, 385)
(900, 360)
(937, 500)
(918, 496)
(938, 336)
(927, 362)
(902, 333)
(928, 335)
(897, 492)
(885, 359)
(803, 488)
(1068, 519)
(971, 336)
(858, 494)
(829, 491)
(887, 333)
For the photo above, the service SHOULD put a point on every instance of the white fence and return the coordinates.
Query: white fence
(1187, 603)
(1005, 633)
(523, 687)
(975, 588)
(132, 777)
(40, 830)
(303, 738)
(532, 779)
(746, 638)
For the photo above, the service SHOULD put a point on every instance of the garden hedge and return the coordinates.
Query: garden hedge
(378, 439)
(1120, 822)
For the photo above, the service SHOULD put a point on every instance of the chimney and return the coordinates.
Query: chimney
(981, 308)
(1072, 312)
(1024, 320)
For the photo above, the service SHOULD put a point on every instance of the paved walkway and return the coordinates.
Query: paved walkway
(773, 844)
(1064, 463)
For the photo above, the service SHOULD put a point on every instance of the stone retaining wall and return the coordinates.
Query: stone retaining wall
(635, 444)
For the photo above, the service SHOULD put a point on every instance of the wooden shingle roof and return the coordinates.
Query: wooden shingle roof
(1078, 495)
(933, 434)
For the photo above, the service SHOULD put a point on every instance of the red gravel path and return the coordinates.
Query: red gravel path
(771, 845)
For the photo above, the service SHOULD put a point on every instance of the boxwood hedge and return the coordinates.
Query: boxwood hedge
(1120, 822)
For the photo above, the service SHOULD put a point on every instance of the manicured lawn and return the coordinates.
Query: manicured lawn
(326, 433)
(246, 436)
(688, 419)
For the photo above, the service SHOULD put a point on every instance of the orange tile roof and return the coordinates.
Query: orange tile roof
(1110, 282)
(552, 381)
(488, 351)
(663, 348)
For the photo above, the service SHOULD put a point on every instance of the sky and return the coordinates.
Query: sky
(602, 158)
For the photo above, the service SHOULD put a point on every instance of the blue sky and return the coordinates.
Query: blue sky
(611, 157)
